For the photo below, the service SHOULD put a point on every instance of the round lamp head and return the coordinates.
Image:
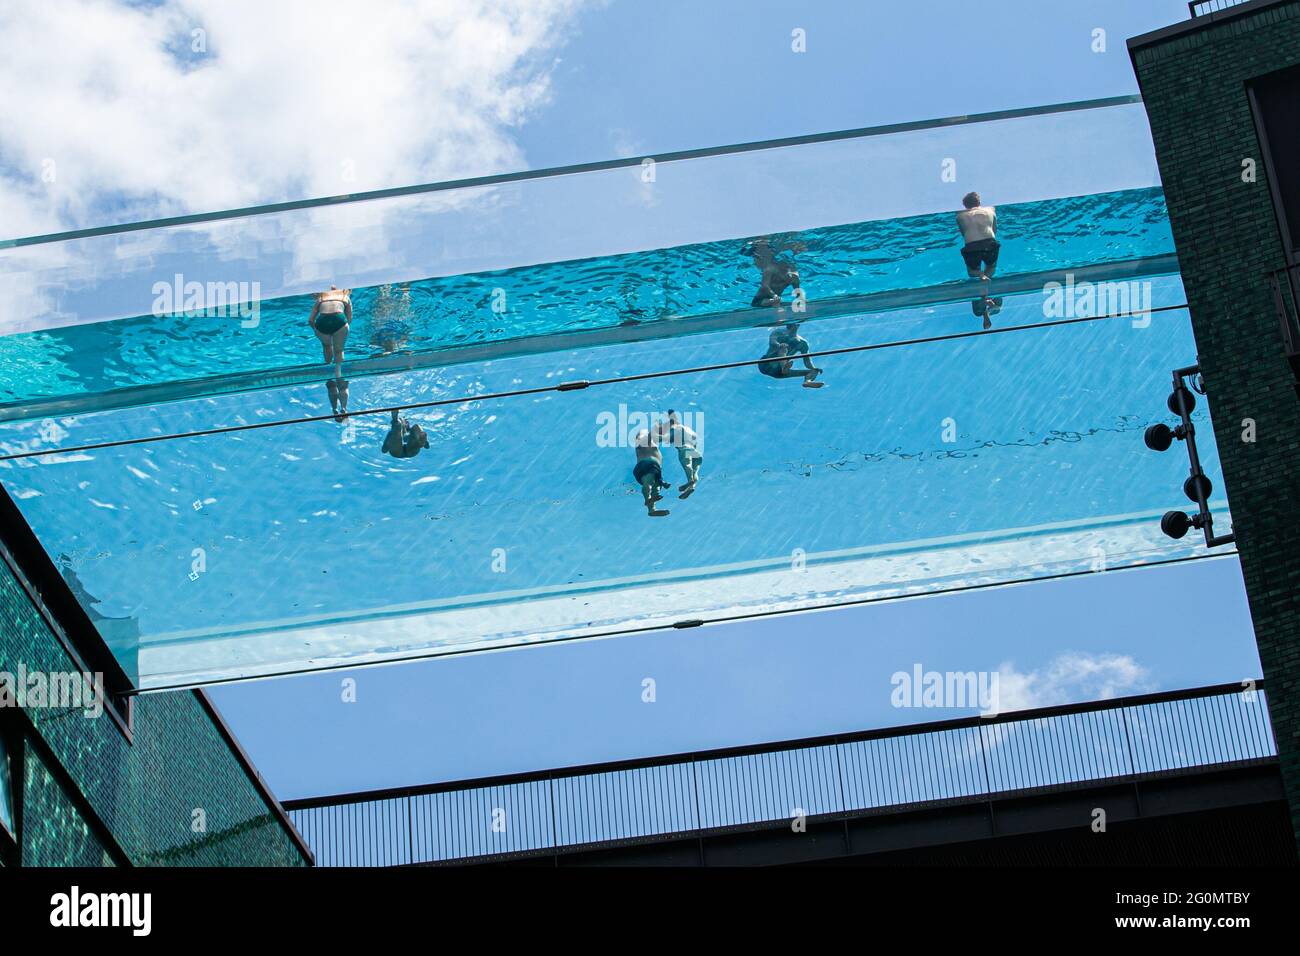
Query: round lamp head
(1175, 524)
(1159, 437)
(1190, 486)
(1188, 399)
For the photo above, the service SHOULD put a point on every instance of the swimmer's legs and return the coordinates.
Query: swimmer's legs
(811, 372)
(650, 494)
(691, 469)
(327, 346)
(337, 341)
(393, 441)
(338, 393)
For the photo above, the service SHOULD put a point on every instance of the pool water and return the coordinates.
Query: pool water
(919, 467)
(94, 361)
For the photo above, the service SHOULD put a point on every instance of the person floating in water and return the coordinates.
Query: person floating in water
(338, 392)
(783, 345)
(687, 443)
(391, 320)
(778, 274)
(649, 472)
(404, 440)
(978, 225)
(330, 318)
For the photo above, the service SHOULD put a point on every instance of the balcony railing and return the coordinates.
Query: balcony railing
(882, 771)
(1286, 296)
(1200, 8)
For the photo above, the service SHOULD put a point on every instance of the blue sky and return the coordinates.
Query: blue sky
(681, 74)
(633, 78)
(782, 678)
(512, 84)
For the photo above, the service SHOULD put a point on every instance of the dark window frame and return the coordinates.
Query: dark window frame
(12, 739)
(1286, 230)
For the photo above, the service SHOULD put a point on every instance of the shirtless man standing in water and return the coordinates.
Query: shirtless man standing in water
(778, 274)
(979, 226)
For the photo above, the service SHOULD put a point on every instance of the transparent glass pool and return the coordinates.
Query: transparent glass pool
(220, 517)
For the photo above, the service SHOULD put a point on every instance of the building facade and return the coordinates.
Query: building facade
(1221, 92)
(147, 781)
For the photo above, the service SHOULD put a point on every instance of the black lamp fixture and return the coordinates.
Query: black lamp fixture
(1197, 487)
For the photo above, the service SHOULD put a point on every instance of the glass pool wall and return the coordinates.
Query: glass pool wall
(653, 240)
(218, 520)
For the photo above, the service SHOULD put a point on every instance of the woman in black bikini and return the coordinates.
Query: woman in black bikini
(330, 318)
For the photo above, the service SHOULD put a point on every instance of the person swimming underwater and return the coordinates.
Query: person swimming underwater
(649, 472)
(783, 344)
(391, 320)
(404, 440)
(687, 442)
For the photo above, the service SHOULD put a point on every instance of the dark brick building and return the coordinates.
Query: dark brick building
(156, 782)
(1221, 91)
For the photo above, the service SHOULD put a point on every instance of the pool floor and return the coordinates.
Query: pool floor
(936, 457)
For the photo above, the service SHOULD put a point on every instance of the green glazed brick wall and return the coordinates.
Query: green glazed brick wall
(145, 792)
(55, 833)
(1228, 240)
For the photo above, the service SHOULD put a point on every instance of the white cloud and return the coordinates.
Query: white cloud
(293, 98)
(1070, 677)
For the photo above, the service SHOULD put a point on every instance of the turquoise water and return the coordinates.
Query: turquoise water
(936, 456)
(918, 468)
(646, 287)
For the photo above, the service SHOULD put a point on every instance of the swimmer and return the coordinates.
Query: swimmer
(404, 440)
(687, 443)
(778, 361)
(391, 320)
(778, 274)
(330, 319)
(649, 472)
(978, 225)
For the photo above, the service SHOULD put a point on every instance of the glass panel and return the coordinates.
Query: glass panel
(7, 815)
(918, 468)
(115, 319)
(225, 504)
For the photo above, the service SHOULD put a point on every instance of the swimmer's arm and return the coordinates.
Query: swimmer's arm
(347, 308)
(315, 310)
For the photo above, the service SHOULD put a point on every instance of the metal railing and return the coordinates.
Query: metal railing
(1200, 8)
(1286, 296)
(955, 761)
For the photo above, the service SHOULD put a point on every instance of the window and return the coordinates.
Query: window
(9, 777)
(1275, 99)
